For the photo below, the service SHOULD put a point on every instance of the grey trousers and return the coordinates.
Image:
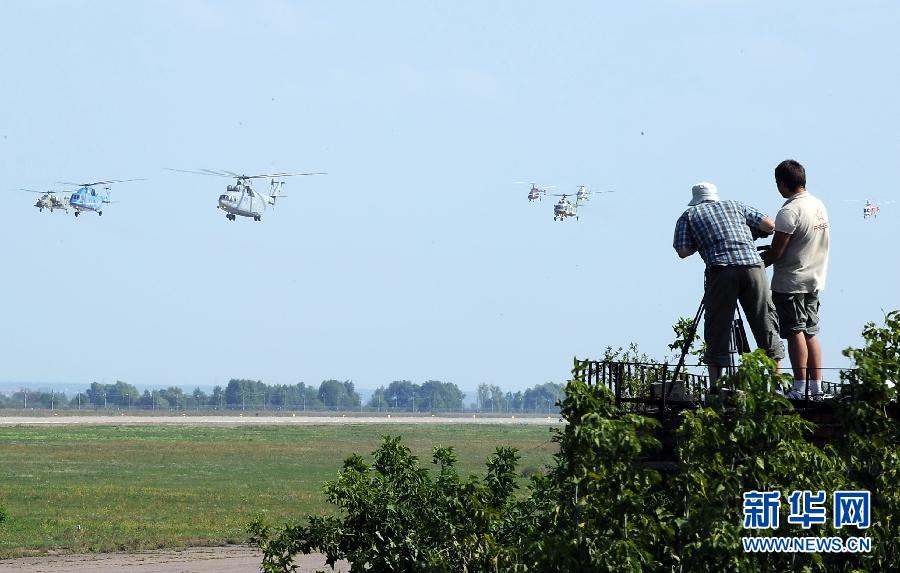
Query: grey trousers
(725, 286)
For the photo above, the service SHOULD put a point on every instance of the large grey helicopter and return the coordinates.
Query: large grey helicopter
(240, 199)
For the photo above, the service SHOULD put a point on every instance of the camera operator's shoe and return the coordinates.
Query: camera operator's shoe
(794, 394)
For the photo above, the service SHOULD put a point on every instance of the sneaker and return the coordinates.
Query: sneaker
(794, 395)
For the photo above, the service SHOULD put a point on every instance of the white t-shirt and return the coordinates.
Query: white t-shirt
(804, 264)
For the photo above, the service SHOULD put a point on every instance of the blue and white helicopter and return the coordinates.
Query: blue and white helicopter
(240, 199)
(87, 198)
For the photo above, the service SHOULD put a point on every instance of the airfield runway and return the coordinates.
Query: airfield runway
(269, 420)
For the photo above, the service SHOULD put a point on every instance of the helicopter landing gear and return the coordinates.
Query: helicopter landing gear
(99, 213)
(231, 217)
(76, 213)
(257, 218)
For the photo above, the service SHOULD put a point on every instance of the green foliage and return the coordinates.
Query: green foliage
(397, 516)
(872, 446)
(595, 509)
(747, 439)
(682, 330)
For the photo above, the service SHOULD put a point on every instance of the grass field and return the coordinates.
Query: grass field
(105, 488)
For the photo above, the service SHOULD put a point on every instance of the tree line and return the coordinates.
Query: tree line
(242, 394)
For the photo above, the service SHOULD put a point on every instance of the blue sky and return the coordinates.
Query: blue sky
(417, 257)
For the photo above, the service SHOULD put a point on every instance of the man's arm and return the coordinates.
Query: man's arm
(767, 225)
(684, 243)
(685, 252)
(776, 251)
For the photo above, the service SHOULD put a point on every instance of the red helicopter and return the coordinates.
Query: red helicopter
(871, 210)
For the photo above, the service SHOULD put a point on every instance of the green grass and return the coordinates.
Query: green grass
(106, 488)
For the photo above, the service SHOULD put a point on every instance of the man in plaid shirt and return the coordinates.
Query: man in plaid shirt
(723, 233)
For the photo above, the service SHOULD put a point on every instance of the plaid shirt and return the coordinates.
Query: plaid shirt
(720, 231)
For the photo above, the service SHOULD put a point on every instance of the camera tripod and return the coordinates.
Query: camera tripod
(737, 344)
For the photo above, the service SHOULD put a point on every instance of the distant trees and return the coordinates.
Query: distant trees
(430, 395)
(542, 397)
(337, 394)
(244, 393)
(538, 398)
(33, 399)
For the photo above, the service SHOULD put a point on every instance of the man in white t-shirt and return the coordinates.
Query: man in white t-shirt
(799, 254)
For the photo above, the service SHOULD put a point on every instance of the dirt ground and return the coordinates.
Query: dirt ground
(230, 559)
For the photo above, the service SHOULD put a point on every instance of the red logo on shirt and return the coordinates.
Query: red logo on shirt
(821, 221)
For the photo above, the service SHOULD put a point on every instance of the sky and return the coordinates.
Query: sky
(418, 256)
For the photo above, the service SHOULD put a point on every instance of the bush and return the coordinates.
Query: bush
(397, 517)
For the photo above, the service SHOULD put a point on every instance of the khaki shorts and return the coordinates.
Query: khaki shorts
(797, 312)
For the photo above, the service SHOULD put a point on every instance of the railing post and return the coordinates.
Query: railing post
(618, 382)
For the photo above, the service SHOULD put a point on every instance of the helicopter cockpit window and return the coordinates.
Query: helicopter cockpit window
(250, 193)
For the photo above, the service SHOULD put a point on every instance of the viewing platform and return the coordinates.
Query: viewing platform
(649, 389)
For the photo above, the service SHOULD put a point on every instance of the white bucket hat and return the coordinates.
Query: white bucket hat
(704, 191)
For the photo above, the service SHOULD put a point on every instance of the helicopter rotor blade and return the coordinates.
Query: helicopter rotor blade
(218, 173)
(110, 182)
(189, 171)
(273, 175)
(36, 191)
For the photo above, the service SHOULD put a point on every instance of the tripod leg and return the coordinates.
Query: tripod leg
(686, 347)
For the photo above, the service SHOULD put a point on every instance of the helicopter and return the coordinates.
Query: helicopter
(536, 192)
(50, 200)
(565, 208)
(240, 198)
(583, 193)
(870, 210)
(86, 198)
